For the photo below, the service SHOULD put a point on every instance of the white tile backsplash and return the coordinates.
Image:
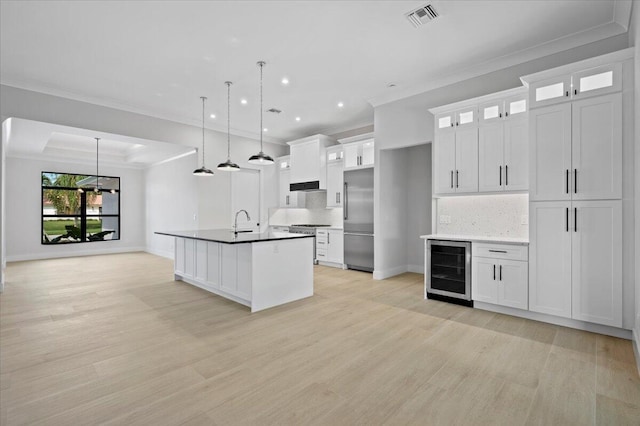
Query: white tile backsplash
(321, 216)
(484, 215)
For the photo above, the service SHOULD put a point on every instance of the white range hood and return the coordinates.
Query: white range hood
(309, 163)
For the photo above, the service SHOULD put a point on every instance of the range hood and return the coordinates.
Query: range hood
(309, 163)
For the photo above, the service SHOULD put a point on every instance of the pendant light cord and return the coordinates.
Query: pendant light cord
(203, 99)
(97, 164)
(261, 63)
(228, 83)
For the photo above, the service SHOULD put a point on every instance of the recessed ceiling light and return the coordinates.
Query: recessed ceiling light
(340, 104)
(297, 118)
(285, 80)
(243, 101)
(212, 116)
(265, 130)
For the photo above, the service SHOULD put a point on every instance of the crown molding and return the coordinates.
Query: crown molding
(611, 29)
(122, 106)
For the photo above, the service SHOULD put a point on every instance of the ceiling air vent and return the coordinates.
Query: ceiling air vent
(274, 110)
(422, 15)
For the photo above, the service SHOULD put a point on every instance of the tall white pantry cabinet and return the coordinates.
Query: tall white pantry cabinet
(575, 193)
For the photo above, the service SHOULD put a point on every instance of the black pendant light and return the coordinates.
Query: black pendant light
(203, 171)
(261, 158)
(228, 165)
(97, 187)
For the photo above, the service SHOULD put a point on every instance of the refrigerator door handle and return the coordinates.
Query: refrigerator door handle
(346, 203)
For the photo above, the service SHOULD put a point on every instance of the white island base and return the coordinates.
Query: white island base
(260, 274)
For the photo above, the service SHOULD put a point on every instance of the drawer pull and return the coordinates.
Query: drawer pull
(498, 251)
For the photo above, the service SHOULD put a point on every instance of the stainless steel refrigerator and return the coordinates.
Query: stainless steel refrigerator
(358, 219)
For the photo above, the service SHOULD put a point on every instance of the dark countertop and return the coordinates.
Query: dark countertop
(227, 236)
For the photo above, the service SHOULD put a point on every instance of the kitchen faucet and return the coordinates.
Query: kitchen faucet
(235, 225)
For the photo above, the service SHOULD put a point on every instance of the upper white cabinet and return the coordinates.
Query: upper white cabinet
(585, 83)
(335, 177)
(502, 145)
(308, 161)
(358, 155)
(287, 198)
(481, 144)
(576, 150)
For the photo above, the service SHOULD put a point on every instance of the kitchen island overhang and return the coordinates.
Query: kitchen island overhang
(258, 270)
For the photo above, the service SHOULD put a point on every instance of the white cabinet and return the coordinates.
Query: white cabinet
(576, 260)
(503, 163)
(335, 176)
(576, 150)
(497, 277)
(455, 160)
(287, 198)
(358, 155)
(578, 85)
(330, 246)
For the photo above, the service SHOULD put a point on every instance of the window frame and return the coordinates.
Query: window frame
(83, 208)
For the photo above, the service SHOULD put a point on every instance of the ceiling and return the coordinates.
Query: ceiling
(158, 58)
(34, 139)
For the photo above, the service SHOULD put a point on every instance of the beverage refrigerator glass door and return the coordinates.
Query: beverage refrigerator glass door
(449, 269)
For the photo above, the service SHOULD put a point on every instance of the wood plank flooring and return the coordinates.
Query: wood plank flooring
(114, 340)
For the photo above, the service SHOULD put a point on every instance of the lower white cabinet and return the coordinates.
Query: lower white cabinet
(497, 279)
(330, 246)
(576, 260)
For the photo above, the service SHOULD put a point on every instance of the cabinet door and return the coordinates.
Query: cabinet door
(445, 122)
(444, 162)
(550, 258)
(516, 154)
(368, 154)
(491, 112)
(516, 107)
(513, 287)
(351, 155)
(597, 148)
(466, 160)
(335, 183)
(484, 282)
(491, 157)
(550, 153)
(466, 117)
(597, 262)
(552, 91)
(335, 246)
(597, 81)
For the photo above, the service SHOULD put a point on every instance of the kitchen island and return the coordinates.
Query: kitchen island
(258, 270)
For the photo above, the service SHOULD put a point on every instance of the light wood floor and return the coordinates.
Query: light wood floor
(112, 339)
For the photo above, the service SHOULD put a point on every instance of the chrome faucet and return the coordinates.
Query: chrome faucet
(235, 225)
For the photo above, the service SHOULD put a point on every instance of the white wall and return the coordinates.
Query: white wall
(171, 202)
(418, 204)
(634, 40)
(24, 207)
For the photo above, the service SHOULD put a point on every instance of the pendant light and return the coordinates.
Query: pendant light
(97, 187)
(261, 158)
(203, 171)
(228, 165)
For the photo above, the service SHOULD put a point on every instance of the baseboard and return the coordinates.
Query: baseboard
(169, 254)
(416, 269)
(387, 273)
(53, 255)
(565, 322)
(636, 346)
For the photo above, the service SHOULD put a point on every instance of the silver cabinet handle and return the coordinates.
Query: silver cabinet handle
(457, 180)
(567, 181)
(451, 178)
(494, 272)
(575, 219)
(287, 200)
(500, 176)
(498, 251)
(506, 175)
(346, 202)
(567, 219)
(500, 272)
(575, 181)
(328, 238)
